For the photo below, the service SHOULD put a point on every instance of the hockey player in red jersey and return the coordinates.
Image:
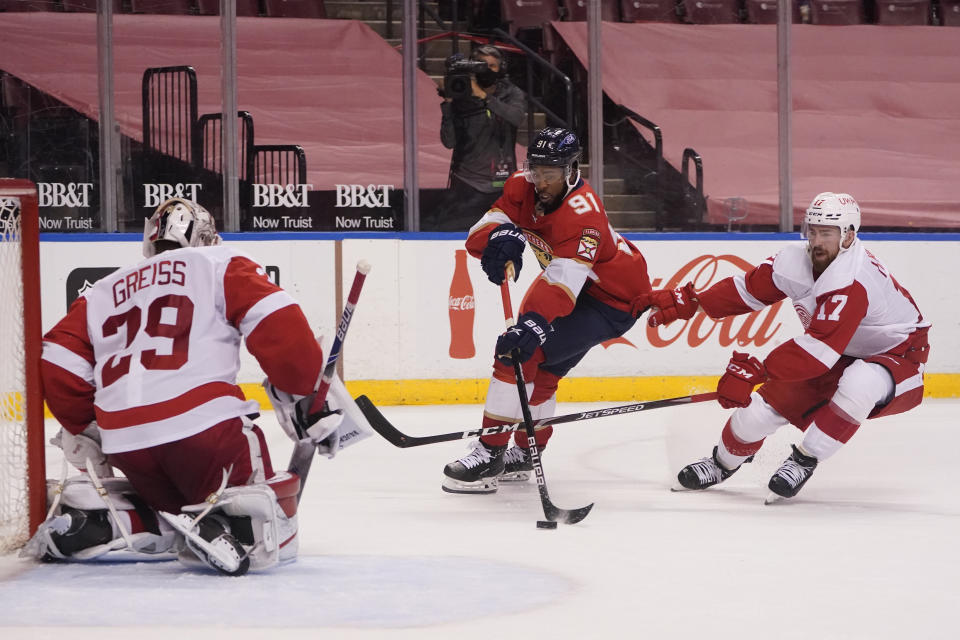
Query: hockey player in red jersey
(141, 374)
(586, 294)
(861, 356)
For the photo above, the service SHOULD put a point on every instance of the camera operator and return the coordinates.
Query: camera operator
(480, 120)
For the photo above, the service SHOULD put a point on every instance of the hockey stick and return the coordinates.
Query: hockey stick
(302, 456)
(397, 438)
(550, 511)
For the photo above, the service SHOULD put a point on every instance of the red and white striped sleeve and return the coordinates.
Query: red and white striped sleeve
(752, 291)
(66, 367)
(838, 315)
(277, 333)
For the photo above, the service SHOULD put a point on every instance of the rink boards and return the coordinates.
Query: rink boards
(399, 347)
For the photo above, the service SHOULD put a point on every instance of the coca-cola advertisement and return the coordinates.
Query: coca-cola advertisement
(754, 329)
(430, 314)
(462, 312)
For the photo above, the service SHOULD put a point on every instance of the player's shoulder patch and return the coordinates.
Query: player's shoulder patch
(589, 241)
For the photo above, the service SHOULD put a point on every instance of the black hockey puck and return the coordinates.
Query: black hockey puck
(546, 524)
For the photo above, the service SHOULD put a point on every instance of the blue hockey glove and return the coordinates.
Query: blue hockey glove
(506, 244)
(530, 332)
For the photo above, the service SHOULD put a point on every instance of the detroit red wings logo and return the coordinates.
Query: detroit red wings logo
(803, 314)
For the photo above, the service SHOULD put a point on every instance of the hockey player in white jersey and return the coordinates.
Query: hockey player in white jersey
(861, 356)
(141, 374)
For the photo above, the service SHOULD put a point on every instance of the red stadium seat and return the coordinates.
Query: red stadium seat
(950, 13)
(528, 14)
(648, 10)
(712, 11)
(248, 8)
(837, 12)
(577, 10)
(294, 9)
(88, 6)
(166, 7)
(765, 11)
(903, 12)
(28, 5)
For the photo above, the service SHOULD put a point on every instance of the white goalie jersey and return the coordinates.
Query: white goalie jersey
(152, 351)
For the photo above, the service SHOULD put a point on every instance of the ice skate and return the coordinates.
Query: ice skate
(704, 473)
(475, 472)
(791, 476)
(517, 465)
(211, 542)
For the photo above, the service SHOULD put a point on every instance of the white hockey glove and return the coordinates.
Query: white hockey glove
(320, 429)
(86, 445)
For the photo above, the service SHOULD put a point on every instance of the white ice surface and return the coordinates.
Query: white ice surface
(868, 550)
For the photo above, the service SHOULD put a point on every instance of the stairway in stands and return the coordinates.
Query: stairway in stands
(627, 210)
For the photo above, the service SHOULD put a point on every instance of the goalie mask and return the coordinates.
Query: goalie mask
(182, 222)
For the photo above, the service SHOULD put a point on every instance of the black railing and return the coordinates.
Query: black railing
(532, 57)
(278, 164)
(657, 186)
(169, 101)
(210, 126)
(695, 201)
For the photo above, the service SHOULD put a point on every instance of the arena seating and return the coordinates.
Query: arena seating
(648, 11)
(712, 11)
(837, 12)
(245, 8)
(950, 12)
(346, 113)
(88, 6)
(873, 111)
(528, 14)
(577, 10)
(765, 11)
(903, 12)
(533, 15)
(164, 7)
(294, 8)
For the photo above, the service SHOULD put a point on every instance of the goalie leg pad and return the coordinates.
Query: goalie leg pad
(81, 527)
(261, 516)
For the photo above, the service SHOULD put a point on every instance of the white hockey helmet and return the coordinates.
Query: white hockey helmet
(833, 209)
(181, 221)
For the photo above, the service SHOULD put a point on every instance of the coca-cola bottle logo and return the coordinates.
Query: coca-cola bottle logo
(461, 303)
(461, 309)
(756, 328)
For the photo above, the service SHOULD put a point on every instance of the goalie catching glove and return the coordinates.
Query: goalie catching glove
(293, 413)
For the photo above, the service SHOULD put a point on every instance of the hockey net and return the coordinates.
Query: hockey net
(22, 481)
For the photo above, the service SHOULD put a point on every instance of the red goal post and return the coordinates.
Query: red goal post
(22, 465)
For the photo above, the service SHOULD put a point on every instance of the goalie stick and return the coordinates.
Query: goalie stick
(303, 453)
(551, 512)
(397, 438)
